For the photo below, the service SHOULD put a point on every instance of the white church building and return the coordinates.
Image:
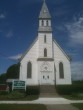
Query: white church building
(45, 62)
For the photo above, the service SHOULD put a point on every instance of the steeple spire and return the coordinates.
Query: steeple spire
(44, 0)
(44, 19)
(44, 13)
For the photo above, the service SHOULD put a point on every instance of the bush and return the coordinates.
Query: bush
(77, 95)
(16, 94)
(32, 90)
(69, 89)
(3, 92)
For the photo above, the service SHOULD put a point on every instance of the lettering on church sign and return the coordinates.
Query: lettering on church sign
(18, 84)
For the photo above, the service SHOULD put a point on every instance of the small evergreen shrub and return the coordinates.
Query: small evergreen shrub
(32, 90)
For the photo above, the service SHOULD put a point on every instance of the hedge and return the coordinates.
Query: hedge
(69, 89)
(3, 92)
(32, 90)
(16, 94)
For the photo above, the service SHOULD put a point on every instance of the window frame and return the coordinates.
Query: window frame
(29, 70)
(45, 39)
(61, 70)
(45, 52)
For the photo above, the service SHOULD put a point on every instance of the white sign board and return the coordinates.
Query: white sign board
(18, 84)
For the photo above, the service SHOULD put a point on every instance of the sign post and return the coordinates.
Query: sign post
(18, 84)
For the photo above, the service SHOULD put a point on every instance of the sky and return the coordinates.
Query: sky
(19, 26)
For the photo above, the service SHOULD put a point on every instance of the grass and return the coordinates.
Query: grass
(26, 98)
(79, 106)
(19, 95)
(74, 96)
(22, 107)
(72, 92)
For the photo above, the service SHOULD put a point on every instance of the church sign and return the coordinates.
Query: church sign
(18, 84)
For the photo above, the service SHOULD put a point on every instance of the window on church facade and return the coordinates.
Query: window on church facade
(42, 22)
(45, 52)
(61, 70)
(43, 77)
(47, 23)
(44, 38)
(29, 70)
(48, 77)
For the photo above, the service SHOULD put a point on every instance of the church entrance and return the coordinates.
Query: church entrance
(45, 74)
(45, 78)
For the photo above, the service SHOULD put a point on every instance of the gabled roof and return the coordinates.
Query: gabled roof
(44, 13)
(67, 56)
(28, 49)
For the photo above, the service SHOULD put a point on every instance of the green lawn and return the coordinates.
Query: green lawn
(22, 107)
(74, 96)
(80, 106)
(26, 98)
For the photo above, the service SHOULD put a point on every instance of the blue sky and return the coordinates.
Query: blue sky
(19, 25)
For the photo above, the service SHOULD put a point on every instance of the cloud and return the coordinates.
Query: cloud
(75, 31)
(9, 34)
(16, 57)
(77, 70)
(2, 16)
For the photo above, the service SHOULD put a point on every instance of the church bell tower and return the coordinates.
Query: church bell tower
(45, 33)
(44, 19)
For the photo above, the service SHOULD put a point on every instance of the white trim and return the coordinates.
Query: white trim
(61, 50)
(28, 49)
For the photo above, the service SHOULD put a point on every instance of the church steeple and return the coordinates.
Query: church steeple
(44, 19)
(44, 13)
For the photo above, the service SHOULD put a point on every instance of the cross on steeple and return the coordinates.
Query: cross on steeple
(44, 0)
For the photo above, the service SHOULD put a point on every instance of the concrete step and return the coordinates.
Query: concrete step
(50, 95)
(48, 91)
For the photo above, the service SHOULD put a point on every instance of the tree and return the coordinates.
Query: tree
(13, 71)
(3, 78)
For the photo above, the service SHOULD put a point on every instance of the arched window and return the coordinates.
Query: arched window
(42, 22)
(29, 70)
(44, 38)
(45, 52)
(61, 70)
(47, 23)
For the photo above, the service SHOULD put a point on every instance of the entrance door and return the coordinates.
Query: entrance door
(45, 73)
(45, 79)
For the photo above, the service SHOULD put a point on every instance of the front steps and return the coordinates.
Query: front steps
(48, 91)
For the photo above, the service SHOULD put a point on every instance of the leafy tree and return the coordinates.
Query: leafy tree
(13, 71)
(2, 78)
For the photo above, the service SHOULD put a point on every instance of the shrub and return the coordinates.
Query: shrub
(3, 92)
(77, 95)
(16, 94)
(69, 89)
(32, 90)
